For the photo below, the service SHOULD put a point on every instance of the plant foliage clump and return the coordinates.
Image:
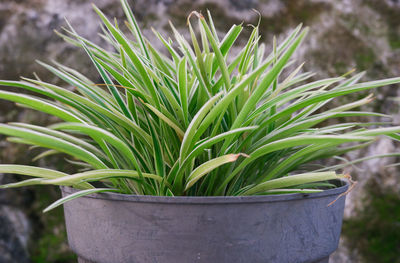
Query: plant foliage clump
(201, 120)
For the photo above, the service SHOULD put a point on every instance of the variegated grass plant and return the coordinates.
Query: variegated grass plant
(201, 120)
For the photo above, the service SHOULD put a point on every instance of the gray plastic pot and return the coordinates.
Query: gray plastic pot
(290, 228)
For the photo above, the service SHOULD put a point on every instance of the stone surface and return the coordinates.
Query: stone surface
(15, 228)
(344, 34)
(14, 235)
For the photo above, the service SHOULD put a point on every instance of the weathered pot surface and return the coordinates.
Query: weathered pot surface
(290, 228)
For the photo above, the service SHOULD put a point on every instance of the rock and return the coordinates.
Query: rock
(344, 34)
(15, 226)
(15, 233)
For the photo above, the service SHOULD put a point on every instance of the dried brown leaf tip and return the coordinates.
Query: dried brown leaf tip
(195, 13)
(370, 98)
(244, 155)
(351, 187)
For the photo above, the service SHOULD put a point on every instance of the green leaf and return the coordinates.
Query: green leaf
(218, 54)
(35, 172)
(132, 55)
(168, 121)
(183, 89)
(158, 151)
(52, 142)
(135, 27)
(44, 154)
(100, 134)
(72, 139)
(264, 84)
(207, 167)
(101, 174)
(77, 195)
(40, 105)
(287, 143)
(292, 180)
(189, 134)
(114, 116)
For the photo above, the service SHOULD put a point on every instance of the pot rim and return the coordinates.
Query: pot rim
(213, 199)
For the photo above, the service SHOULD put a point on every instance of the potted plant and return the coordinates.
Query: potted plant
(200, 155)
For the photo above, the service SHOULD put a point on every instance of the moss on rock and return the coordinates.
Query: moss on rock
(375, 233)
(49, 232)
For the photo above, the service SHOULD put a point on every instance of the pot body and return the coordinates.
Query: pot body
(290, 228)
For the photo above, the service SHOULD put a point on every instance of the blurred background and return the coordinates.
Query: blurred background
(345, 34)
